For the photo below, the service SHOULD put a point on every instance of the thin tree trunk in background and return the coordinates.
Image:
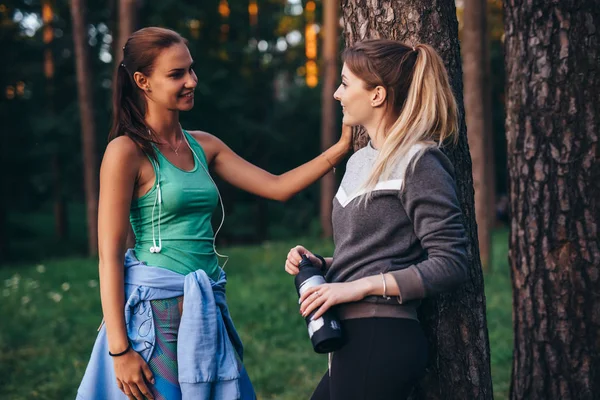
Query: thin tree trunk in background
(552, 60)
(88, 126)
(475, 52)
(329, 125)
(3, 231)
(128, 11)
(113, 25)
(455, 323)
(59, 206)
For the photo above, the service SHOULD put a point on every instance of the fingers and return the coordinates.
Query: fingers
(136, 389)
(295, 254)
(145, 390)
(315, 300)
(347, 133)
(127, 390)
(309, 293)
(346, 130)
(139, 390)
(147, 373)
(294, 257)
(291, 268)
(324, 307)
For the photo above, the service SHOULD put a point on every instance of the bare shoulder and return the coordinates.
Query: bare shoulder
(123, 145)
(123, 151)
(205, 138)
(211, 144)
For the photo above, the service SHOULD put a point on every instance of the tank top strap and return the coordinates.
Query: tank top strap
(154, 162)
(197, 148)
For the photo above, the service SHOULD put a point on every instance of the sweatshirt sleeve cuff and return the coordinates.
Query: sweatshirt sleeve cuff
(410, 284)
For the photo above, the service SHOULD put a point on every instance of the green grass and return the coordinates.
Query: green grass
(498, 294)
(50, 314)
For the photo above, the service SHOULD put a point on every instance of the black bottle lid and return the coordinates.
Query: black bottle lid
(305, 263)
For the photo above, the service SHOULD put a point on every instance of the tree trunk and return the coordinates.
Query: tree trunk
(88, 126)
(552, 125)
(475, 52)
(455, 323)
(60, 203)
(328, 103)
(128, 10)
(59, 206)
(3, 231)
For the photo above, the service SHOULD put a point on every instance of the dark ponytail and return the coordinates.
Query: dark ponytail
(129, 102)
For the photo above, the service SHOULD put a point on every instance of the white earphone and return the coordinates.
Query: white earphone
(158, 199)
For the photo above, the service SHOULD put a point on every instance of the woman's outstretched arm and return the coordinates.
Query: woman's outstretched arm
(247, 176)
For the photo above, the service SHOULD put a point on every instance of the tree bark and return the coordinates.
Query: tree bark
(61, 224)
(59, 201)
(552, 124)
(455, 323)
(476, 68)
(3, 230)
(328, 104)
(128, 11)
(88, 126)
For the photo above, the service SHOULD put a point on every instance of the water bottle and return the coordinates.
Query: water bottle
(325, 333)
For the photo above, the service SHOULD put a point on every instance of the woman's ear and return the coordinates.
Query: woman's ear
(141, 81)
(378, 96)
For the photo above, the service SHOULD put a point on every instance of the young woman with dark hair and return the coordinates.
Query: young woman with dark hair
(167, 331)
(397, 223)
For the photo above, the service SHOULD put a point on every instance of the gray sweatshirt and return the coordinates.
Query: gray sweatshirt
(416, 234)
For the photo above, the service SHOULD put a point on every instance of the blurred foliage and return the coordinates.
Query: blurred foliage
(253, 98)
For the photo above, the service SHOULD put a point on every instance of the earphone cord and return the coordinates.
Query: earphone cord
(158, 199)
(226, 257)
(159, 216)
(153, 237)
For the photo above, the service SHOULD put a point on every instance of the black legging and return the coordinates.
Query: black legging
(381, 360)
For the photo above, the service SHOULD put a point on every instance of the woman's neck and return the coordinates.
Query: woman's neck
(376, 134)
(164, 123)
(377, 129)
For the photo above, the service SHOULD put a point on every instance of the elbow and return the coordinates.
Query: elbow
(278, 191)
(461, 270)
(282, 194)
(283, 197)
(451, 273)
(279, 196)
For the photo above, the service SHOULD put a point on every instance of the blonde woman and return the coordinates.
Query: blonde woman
(398, 229)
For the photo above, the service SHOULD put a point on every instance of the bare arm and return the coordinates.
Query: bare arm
(246, 176)
(117, 181)
(118, 174)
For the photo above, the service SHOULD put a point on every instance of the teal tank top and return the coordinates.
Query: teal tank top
(188, 201)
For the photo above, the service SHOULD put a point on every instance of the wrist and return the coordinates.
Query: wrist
(118, 346)
(343, 146)
(365, 287)
(336, 153)
(122, 352)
